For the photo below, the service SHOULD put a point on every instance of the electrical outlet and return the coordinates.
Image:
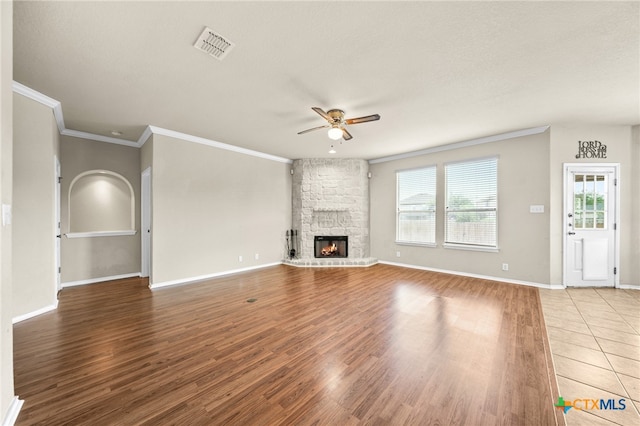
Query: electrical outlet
(257, 256)
(397, 254)
(505, 266)
(239, 258)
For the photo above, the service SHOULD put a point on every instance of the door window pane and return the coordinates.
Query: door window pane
(590, 201)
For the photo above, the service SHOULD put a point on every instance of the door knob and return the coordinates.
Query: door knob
(572, 233)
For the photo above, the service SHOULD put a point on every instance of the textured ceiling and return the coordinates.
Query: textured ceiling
(436, 72)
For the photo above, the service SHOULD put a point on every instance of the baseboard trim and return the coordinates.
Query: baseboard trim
(35, 313)
(191, 280)
(629, 287)
(483, 277)
(12, 414)
(100, 279)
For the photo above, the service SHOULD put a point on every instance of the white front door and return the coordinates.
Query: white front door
(590, 257)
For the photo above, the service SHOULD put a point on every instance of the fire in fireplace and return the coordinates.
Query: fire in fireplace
(331, 246)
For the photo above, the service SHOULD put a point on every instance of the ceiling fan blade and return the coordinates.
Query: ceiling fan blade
(346, 135)
(323, 114)
(364, 119)
(315, 128)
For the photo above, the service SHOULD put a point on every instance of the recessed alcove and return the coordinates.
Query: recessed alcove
(101, 203)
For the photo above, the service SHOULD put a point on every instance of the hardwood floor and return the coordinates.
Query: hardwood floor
(377, 345)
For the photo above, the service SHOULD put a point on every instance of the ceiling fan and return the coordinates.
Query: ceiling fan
(337, 123)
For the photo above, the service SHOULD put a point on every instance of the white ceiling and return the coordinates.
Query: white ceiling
(436, 72)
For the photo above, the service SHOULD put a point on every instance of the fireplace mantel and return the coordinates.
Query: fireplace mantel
(329, 209)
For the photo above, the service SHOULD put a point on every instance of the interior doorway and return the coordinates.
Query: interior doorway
(58, 228)
(145, 210)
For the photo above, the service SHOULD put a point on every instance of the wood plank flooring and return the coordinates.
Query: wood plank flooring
(377, 345)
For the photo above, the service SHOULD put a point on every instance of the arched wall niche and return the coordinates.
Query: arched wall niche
(101, 203)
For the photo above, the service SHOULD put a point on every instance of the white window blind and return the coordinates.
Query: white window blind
(416, 206)
(472, 202)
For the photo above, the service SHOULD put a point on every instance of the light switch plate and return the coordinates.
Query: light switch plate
(6, 214)
(536, 208)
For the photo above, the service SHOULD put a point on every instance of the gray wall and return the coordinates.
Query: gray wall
(6, 182)
(211, 206)
(34, 229)
(523, 179)
(530, 171)
(620, 149)
(98, 257)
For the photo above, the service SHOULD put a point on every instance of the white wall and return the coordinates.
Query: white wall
(6, 182)
(211, 206)
(523, 180)
(34, 229)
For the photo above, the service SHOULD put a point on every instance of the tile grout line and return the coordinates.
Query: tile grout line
(602, 350)
(614, 371)
(621, 316)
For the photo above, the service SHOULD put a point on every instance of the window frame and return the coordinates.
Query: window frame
(471, 245)
(429, 211)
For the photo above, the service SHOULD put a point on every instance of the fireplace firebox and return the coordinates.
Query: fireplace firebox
(331, 246)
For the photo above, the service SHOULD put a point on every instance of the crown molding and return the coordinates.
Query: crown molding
(98, 138)
(56, 106)
(203, 141)
(151, 130)
(463, 144)
(145, 136)
(44, 100)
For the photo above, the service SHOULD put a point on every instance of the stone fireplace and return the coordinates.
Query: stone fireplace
(330, 198)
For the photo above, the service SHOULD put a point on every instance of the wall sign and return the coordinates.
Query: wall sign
(591, 149)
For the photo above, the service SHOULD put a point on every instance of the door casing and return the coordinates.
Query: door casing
(590, 168)
(145, 210)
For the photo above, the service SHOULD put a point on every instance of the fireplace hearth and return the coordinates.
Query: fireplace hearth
(326, 246)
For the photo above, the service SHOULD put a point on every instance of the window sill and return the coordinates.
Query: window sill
(100, 234)
(408, 243)
(471, 247)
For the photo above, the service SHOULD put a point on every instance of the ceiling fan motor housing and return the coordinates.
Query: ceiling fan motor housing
(336, 114)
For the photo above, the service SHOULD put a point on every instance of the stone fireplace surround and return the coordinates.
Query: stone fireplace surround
(331, 197)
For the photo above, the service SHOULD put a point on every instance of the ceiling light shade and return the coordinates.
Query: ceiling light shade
(335, 133)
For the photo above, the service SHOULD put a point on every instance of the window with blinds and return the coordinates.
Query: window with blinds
(416, 206)
(472, 203)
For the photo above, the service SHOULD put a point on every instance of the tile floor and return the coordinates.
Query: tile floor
(594, 336)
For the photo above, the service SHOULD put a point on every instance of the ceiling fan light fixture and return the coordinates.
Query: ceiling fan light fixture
(335, 133)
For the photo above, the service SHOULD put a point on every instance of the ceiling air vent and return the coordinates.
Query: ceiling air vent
(213, 43)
